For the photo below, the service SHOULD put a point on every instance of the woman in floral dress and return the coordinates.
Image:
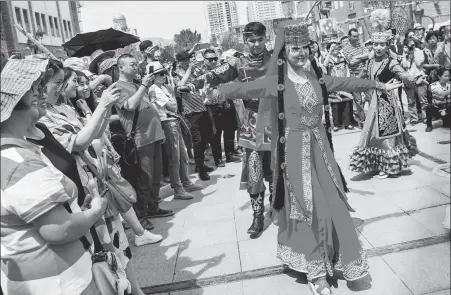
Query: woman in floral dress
(316, 232)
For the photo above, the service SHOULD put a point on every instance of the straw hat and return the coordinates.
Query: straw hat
(106, 64)
(96, 55)
(17, 77)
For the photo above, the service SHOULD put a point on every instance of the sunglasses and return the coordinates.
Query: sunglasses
(211, 59)
(162, 74)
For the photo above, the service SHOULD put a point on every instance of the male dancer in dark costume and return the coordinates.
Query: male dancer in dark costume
(257, 145)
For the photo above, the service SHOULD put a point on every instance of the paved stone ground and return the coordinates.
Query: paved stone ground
(207, 236)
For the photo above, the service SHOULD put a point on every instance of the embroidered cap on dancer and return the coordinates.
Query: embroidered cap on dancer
(379, 37)
(297, 35)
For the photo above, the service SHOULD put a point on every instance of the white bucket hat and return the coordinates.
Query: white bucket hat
(17, 78)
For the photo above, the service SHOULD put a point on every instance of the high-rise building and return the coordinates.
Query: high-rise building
(120, 23)
(221, 16)
(51, 22)
(264, 10)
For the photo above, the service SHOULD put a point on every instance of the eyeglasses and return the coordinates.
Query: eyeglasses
(162, 74)
(212, 59)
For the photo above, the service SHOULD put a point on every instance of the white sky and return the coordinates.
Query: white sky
(151, 18)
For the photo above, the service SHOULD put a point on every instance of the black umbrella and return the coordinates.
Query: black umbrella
(110, 39)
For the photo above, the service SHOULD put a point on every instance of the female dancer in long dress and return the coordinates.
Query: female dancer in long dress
(385, 145)
(316, 232)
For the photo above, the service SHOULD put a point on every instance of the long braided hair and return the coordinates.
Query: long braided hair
(280, 184)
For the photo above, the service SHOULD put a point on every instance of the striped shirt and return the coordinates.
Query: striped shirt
(349, 52)
(192, 102)
(31, 187)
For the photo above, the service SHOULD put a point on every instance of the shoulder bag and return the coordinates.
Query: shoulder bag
(120, 194)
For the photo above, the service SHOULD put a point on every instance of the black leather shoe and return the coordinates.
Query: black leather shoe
(160, 213)
(203, 175)
(208, 168)
(219, 163)
(231, 158)
(429, 128)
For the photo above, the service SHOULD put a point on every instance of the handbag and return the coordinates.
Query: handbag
(120, 193)
(107, 271)
(125, 144)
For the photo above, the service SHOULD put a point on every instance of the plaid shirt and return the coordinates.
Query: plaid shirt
(193, 101)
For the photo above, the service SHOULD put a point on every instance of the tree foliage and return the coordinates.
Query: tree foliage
(167, 54)
(231, 42)
(186, 39)
(130, 49)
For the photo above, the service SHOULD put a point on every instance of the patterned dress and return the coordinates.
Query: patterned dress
(385, 145)
(316, 232)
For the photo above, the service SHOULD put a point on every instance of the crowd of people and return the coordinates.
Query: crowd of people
(85, 150)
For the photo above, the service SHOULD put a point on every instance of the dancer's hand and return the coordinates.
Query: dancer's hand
(392, 84)
(422, 80)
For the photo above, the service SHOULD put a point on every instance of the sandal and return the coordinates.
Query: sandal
(320, 287)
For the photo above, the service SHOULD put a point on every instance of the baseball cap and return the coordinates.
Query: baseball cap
(183, 55)
(145, 44)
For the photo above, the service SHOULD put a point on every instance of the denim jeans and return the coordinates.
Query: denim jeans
(416, 101)
(148, 184)
(176, 153)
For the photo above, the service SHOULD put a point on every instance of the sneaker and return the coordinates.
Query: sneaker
(335, 129)
(350, 127)
(191, 187)
(167, 179)
(147, 238)
(382, 175)
(219, 163)
(146, 224)
(182, 194)
(237, 152)
(160, 213)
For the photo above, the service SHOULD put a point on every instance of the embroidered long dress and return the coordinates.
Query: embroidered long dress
(385, 145)
(316, 231)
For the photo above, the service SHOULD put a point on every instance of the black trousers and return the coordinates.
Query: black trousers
(434, 111)
(342, 113)
(224, 122)
(201, 133)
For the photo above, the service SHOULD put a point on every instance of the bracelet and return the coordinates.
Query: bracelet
(145, 86)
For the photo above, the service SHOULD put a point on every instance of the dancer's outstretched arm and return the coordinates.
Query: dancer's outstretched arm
(261, 88)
